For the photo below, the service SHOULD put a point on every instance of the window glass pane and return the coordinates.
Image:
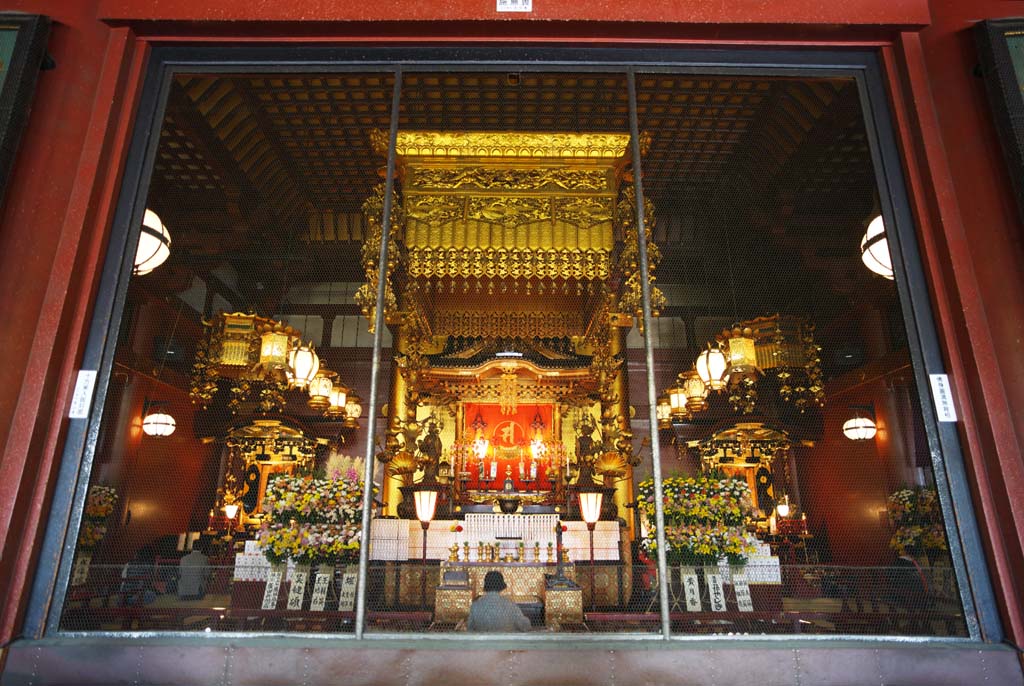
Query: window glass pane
(512, 255)
(763, 190)
(213, 441)
(226, 488)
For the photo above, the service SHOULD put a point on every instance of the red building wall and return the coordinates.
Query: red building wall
(58, 204)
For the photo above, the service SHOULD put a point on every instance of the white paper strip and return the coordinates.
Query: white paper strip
(319, 599)
(739, 583)
(691, 589)
(347, 595)
(297, 591)
(81, 571)
(81, 400)
(511, 6)
(273, 586)
(715, 590)
(943, 395)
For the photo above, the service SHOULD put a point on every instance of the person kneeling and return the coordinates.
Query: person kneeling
(494, 613)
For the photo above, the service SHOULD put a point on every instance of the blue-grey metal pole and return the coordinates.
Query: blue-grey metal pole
(378, 328)
(652, 393)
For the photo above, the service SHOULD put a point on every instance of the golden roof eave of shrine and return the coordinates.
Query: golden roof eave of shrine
(507, 145)
(521, 368)
(527, 215)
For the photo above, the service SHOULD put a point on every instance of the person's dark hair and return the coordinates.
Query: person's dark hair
(494, 581)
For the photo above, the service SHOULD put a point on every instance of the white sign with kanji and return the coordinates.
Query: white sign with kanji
(515, 5)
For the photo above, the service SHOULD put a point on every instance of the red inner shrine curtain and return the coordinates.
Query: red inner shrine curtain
(509, 451)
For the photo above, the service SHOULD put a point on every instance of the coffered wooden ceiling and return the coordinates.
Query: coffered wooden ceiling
(265, 169)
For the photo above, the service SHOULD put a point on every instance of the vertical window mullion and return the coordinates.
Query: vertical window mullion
(378, 332)
(652, 393)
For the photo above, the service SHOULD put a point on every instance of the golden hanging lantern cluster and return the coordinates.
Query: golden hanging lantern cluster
(779, 346)
(259, 359)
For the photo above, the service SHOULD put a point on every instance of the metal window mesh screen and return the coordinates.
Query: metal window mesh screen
(513, 482)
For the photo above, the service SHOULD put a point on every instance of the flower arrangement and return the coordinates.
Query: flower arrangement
(312, 520)
(917, 520)
(91, 533)
(704, 518)
(99, 504)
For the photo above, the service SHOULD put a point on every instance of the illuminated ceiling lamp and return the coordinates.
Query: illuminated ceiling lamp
(711, 366)
(154, 244)
(874, 249)
(695, 390)
(664, 410)
(320, 389)
(276, 339)
(157, 423)
(742, 351)
(303, 364)
(353, 411)
(861, 427)
(677, 400)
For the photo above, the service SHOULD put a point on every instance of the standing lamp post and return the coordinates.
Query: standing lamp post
(590, 507)
(426, 503)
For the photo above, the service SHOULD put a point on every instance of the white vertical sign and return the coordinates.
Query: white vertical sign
(320, 586)
(81, 400)
(744, 601)
(297, 591)
(715, 589)
(347, 595)
(273, 586)
(691, 589)
(943, 396)
(81, 570)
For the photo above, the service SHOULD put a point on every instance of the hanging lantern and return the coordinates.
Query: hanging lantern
(158, 424)
(320, 389)
(353, 411)
(711, 367)
(154, 244)
(874, 249)
(677, 401)
(303, 364)
(695, 390)
(742, 353)
(859, 428)
(276, 339)
(336, 402)
(664, 411)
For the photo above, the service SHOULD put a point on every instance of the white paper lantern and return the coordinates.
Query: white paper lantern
(874, 249)
(303, 364)
(154, 244)
(859, 428)
(158, 424)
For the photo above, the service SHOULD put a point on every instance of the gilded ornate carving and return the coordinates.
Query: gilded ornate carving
(628, 264)
(502, 263)
(366, 296)
(498, 323)
(534, 179)
(508, 210)
(560, 392)
(504, 144)
(435, 209)
(584, 212)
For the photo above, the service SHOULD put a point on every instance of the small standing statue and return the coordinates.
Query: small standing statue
(586, 450)
(430, 449)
